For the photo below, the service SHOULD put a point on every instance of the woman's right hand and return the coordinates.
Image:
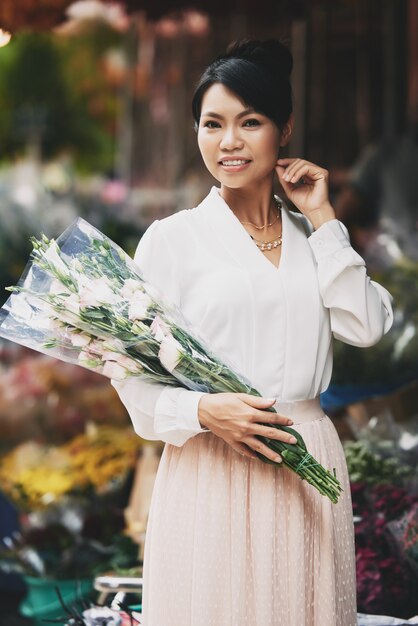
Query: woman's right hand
(236, 417)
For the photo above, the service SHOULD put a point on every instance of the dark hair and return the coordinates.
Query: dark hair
(256, 71)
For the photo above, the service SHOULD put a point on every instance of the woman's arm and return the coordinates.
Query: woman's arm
(360, 309)
(157, 411)
(160, 412)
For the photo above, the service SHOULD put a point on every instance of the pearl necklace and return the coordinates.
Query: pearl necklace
(268, 245)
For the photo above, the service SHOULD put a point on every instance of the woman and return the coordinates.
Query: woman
(233, 541)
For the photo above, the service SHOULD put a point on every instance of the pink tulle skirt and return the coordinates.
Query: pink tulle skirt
(233, 541)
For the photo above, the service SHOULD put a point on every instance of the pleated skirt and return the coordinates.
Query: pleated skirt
(233, 541)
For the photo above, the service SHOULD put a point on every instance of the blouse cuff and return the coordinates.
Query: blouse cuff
(329, 238)
(178, 409)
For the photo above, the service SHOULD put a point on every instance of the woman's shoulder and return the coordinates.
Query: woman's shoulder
(176, 222)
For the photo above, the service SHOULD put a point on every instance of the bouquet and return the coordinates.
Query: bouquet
(82, 299)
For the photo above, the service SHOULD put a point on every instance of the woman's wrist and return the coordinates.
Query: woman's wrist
(322, 214)
(201, 413)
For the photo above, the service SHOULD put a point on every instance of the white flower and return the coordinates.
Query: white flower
(159, 328)
(107, 355)
(123, 360)
(114, 370)
(86, 359)
(56, 287)
(138, 306)
(98, 291)
(113, 345)
(76, 265)
(170, 353)
(80, 340)
(52, 324)
(129, 287)
(129, 363)
(96, 347)
(73, 304)
(53, 255)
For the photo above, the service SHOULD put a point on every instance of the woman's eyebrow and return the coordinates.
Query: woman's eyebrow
(220, 117)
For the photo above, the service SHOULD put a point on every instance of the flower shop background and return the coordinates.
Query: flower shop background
(95, 121)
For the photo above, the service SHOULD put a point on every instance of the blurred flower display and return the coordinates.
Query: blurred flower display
(72, 499)
(385, 507)
(51, 401)
(97, 462)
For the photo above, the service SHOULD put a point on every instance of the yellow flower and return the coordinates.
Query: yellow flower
(34, 476)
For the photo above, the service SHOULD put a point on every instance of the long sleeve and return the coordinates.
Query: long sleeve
(157, 411)
(360, 309)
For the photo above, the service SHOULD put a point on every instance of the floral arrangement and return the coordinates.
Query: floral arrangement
(379, 566)
(33, 475)
(72, 499)
(385, 507)
(405, 533)
(49, 400)
(83, 300)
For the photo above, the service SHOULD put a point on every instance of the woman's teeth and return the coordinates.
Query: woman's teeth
(236, 162)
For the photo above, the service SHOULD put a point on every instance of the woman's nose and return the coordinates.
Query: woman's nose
(231, 139)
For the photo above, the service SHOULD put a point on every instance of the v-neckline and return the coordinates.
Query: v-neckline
(256, 252)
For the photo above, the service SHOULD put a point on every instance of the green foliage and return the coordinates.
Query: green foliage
(53, 94)
(365, 466)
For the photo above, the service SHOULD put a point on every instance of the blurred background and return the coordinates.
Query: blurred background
(95, 121)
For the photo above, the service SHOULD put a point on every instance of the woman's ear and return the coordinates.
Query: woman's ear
(287, 131)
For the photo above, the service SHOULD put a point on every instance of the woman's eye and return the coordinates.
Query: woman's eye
(208, 124)
(252, 122)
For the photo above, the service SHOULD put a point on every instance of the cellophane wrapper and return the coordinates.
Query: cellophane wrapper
(83, 300)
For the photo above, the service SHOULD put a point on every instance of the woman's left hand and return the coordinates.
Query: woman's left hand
(306, 185)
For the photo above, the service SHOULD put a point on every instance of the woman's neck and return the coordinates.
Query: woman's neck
(256, 205)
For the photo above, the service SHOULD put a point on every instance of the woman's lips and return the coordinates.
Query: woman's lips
(234, 168)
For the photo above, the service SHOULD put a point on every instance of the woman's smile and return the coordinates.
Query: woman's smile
(234, 165)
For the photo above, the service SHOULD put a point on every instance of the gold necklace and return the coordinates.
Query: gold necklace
(279, 206)
(268, 245)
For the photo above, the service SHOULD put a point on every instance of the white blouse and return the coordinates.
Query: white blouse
(273, 325)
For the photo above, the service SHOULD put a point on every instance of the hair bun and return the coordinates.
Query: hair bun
(270, 53)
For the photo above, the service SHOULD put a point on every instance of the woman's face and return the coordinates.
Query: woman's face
(239, 146)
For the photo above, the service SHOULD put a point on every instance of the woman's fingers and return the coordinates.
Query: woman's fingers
(261, 448)
(243, 450)
(295, 169)
(273, 418)
(256, 401)
(286, 162)
(273, 433)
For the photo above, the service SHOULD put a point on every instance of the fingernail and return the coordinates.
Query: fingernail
(293, 440)
(270, 399)
(278, 459)
(290, 421)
